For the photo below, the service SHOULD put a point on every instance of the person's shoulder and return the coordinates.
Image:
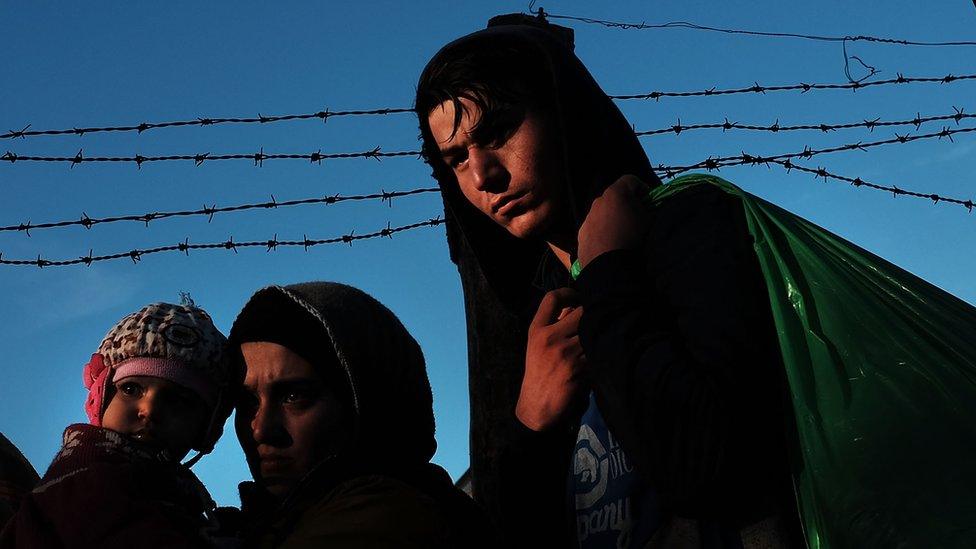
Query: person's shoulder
(381, 494)
(703, 211)
(695, 198)
(372, 511)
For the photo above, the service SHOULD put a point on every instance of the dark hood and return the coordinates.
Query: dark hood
(362, 345)
(598, 146)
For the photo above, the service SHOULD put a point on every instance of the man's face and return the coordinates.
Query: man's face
(516, 183)
(288, 420)
(157, 412)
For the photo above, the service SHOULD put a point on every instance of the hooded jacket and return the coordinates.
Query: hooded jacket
(519, 476)
(381, 490)
(679, 331)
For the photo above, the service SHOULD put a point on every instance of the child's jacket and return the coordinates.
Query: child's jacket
(105, 490)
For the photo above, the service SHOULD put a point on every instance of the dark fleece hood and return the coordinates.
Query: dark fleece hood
(362, 345)
(597, 146)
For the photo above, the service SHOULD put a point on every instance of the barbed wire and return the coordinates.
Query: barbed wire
(209, 211)
(185, 246)
(693, 26)
(324, 115)
(200, 158)
(261, 156)
(678, 128)
(802, 87)
(541, 14)
(714, 163)
(755, 88)
(822, 173)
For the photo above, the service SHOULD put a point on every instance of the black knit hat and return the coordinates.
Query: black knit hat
(283, 321)
(364, 349)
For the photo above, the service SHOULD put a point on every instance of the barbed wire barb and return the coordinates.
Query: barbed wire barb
(20, 133)
(324, 115)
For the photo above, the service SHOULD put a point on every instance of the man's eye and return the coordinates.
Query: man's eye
(297, 398)
(494, 131)
(456, 161)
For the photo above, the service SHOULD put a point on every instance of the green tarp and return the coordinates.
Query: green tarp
(882, 373)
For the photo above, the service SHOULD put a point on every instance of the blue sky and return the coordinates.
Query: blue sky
(71, 65)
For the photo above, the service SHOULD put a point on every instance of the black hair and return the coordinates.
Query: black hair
(501, 82)
(507, 71)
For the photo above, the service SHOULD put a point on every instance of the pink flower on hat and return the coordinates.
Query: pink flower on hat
(95, 375)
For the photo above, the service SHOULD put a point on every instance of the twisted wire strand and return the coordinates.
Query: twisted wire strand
(714, 163)
(693, 26)
(271, 244)
(323, 115)
(200, 158)
(209, 211)
(917, 122)
(802, 87)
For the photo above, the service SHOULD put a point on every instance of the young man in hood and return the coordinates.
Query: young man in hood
(337, 426)
(657, 326)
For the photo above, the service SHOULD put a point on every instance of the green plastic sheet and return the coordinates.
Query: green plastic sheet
(881, 368)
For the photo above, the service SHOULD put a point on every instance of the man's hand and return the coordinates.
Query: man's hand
(616, 220)
(553, 384)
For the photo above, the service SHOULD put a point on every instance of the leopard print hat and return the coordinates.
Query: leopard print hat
(175, 342)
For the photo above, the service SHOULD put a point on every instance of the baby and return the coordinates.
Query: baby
(159, 386)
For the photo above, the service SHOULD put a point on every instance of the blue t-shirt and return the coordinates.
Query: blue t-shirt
(614, 508)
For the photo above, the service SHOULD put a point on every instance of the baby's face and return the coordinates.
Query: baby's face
(157, 412)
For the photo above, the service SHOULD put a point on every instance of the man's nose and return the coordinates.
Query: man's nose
(266, 427)
(487, 170)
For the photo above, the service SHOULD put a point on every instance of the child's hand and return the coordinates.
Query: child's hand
(616, 220)
(553, 383)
